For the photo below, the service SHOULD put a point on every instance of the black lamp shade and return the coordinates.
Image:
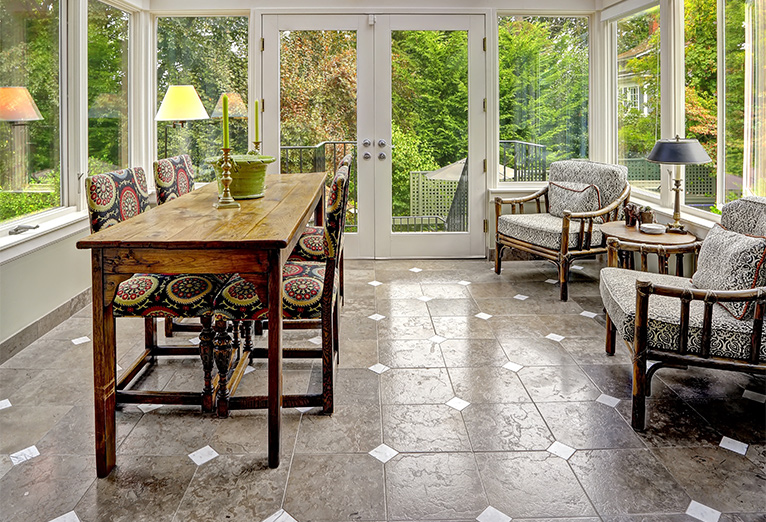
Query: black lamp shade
(678, 151)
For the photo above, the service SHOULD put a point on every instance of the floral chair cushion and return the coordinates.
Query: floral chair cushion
(610, 179)
(730, 337)
(302, 287)
(572, 196)
(174, 177)
(746, 216)
(116, 196)
(731, 261)
(543, 230)
(311, 246)
(164, 295)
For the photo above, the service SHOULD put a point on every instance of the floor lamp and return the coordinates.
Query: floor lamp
(180, 104)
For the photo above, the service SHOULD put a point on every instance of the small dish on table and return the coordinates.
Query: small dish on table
(652, 228)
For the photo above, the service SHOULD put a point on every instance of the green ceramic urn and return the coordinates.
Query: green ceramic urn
(248, 174)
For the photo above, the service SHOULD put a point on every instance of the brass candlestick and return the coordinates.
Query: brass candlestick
(257, 147)
(676, 226)
(226, 201)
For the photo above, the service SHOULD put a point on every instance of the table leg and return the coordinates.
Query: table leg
(275, 357)
(206, 337)
(105, 368)
(222, 351)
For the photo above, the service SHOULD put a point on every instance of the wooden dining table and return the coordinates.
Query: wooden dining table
(189, 236)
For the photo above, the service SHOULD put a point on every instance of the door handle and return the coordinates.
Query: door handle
(382, 156)
(366, 143)
(382, 143)
(366, 155)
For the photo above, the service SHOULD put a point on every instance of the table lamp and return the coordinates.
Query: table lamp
(180, 104)
(678, 151)
(17, 106)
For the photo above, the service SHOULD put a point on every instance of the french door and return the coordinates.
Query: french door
(404, 94)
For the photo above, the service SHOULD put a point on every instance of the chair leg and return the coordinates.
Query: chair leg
(206, 354)
(341, 263)
(611, 335)
(168, 327)
(222, 352)
(498, 257)
(328, 360)
(564, 279)
(150, 333)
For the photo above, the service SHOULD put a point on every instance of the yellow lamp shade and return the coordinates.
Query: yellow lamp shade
(237, 107)
(181, 103)
(16, 104)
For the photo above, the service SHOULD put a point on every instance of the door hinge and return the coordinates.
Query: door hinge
(485, 165)
(486, 226)
(484, 44)
(263, 104)
(484, 104)
(263, 44)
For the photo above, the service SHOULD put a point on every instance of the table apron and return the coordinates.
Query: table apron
(182, 261)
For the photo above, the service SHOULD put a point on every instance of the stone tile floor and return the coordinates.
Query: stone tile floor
(539, 432)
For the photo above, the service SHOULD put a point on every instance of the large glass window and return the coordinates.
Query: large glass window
(107, 87)
(209, 53)
(543, 71)
(638, 95)
(30, 158)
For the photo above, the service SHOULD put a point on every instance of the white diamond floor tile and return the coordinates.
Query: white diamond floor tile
(551, 281)
(493, 515)
(510, 365)
(146, 408)
(734, 445)
(24, 455)
(521, 297)
(81, 340)
(379, 368)
(702, 512)
(576, 267)
(586, 313)
(280, 516)
(555, 337)
(457, 403)
(561, 450)
(249, 369)
(482, 315)
(754, 396)
(376, 317)
(119, 368)
(304, 409)
(5, 403)
(416, 269)
(608, 400)
(374, 283)
(316, 340)
(464, 283)
(384, 453)
(67, 517)
(194, 340)
(424, 298)
(203, 455)
(437, 339)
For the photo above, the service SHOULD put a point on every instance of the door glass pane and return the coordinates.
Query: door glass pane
(543, 94)
(429, 131)
(107, 88)
(30, 158)
(638, 95)
(318, 105)
(210, 54)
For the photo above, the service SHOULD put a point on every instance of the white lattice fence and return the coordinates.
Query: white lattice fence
(430, 197)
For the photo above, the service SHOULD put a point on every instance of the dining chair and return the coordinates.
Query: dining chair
(310, 293)
(114, 197)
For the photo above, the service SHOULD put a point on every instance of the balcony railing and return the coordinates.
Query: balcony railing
(522, 161)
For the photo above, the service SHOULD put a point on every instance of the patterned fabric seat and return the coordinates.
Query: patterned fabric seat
(310, 246)
(173, 177)
(580, 196)
(543, 230)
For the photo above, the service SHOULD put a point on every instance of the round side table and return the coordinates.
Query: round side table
(617, 229)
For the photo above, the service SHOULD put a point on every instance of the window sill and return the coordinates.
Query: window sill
(66, 224)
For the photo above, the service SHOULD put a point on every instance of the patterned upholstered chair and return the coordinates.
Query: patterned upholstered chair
(579, 197)
(114, 197)
(310, 293)
(311, 245)
(713, 320)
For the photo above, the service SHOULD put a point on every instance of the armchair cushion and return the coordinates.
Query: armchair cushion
(731, 261)
(610, 179)
(571, 196)
(543, 230)
(163, 295)
(730, 337)
(746, 216)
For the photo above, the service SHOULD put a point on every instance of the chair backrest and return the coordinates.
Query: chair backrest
(745, 216)
(116, 196)
(611, 180)
(335, 215)
(174, 177)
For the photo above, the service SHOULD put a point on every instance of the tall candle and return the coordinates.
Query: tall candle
(257, 130)
(225, 121)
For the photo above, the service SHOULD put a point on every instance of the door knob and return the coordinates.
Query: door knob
(366, 143)
(366, 155)
(382, 143)
(382, 156)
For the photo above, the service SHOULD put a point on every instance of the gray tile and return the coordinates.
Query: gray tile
(452, 307)
(517, 326)
(628, 481)
(424, 428)
(11, 379)
(704, 383)
(463, 328)
(557, 383)
(357, 327)
(404, 328)
(719, 478)
(402, 307)
(246, 433)
(445, 291)
(671, 422)
(23, 426)
(570, 325)
(532, 484)
(67, 386)
(335, 487)
(535, 352)
(465, 353)
(588, 425)
(507, 305)
(415, 386)
(757, 454)
(169, 431)
(434, 486)
(350, 429)
(357, 386)
(412, 353)
(591, 350)
(5, 465)
(506, 427)
(617, 380)
(139, 488)
(357, 354)
(398, 291)
(487, 384)
(736, 417)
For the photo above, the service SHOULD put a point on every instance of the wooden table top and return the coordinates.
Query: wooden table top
(191, 222)
(620, 231)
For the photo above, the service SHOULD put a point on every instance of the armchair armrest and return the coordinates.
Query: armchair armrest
(517, 204)
(609, 213)
(663, 253)
(512, 201)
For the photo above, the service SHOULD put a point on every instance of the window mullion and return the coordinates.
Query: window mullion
(76, 102)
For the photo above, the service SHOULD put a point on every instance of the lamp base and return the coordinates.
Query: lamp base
(675, 229)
